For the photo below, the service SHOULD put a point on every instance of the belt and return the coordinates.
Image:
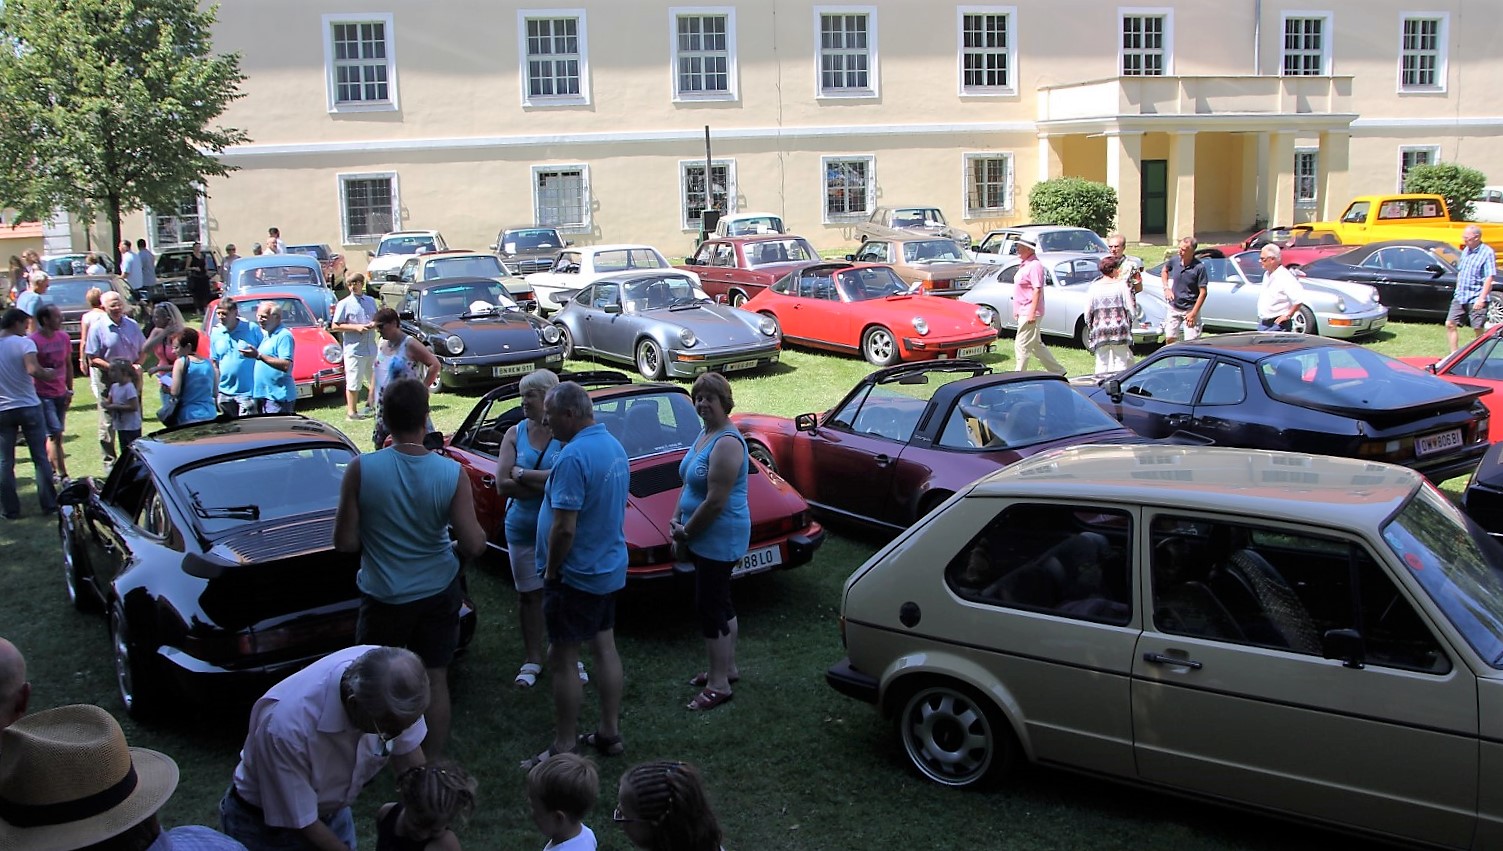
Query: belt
(252, 808)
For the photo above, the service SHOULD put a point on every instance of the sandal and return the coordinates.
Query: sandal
(527, 676)
(702, 679)
(584, 677)
(603, 744)
(548, 753)
(708, 699)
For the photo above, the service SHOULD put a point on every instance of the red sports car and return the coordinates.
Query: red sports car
(867, 308)
(317, 358)
(656, 423)
(1300, 244)
(738, 267)
(1476, 364)
(907, 437)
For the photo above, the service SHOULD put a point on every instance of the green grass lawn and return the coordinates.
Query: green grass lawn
(790, 763)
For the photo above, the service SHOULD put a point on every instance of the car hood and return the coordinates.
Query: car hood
(308, 344)
(513, 327)
(1362, 293)
(940, 267)
(705, 320)
(945, 316)
(531, 253)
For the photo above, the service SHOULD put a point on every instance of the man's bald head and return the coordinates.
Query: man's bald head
(15, 691)
(390, 685)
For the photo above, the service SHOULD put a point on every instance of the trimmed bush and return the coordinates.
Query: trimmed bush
(1074, 201)
(1455, 183)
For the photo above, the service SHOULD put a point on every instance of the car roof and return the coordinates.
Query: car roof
(634, 274)
(759, 237)
(453, 252)
(1256, 345)
(613, 246)
(1344, 492)
(528, 227)
(169, 450)
(409, 233)
(448, 282)
(1412, 243)
(256, 261)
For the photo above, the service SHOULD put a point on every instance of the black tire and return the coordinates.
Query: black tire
(955, 737)
(1303, 321)
(80, 595)
(1083, 335)
(931, 501)
(565, 341)
(650, 360)
(139, 685)
(738, 298)
(761, 453)
(879, 346)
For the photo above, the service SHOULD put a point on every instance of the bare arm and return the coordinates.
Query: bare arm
(347, 515)
(400, 762)
(179, 376)
(462, 517)
(35, 369)
(319, 836)
(424, 355)
(514, 481)
(725, 463)
(560, 541)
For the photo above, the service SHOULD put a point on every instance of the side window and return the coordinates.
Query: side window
(152, 517)
(409, 272)
(1063, 560)
(128, 486)
(1172, 379)
(1225, 387)
(848, 412)
(872, 252)
(607, 295)
(1283, 590)
(1485, 361)
(409, 303)
(1357, 213)
(1407, 259)
(1375, 260)
(703, 256)
(725, 255)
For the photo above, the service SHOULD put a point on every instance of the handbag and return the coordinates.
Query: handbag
(168, 412)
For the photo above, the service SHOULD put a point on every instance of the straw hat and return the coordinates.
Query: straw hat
(68, 780)
(1023, 243)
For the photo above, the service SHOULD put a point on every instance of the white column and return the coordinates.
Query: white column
(1051, 157)
(1124, 173)
(1181, 183)
(1333, 169)
(1278, 179)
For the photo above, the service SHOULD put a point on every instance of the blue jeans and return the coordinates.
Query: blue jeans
(33, 428)
(240, 822)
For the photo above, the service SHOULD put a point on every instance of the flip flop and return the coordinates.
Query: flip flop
(708, 699)
(603, 744)
(702, 679)
(527, 675)
(584, 676)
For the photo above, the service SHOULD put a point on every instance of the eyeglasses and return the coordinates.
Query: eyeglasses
(620, 819)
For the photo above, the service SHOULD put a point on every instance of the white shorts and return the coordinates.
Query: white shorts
(1175, 322)
(524, 568)
(359, 371)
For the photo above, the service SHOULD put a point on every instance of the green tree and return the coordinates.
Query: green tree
(108, 106)
(1074, 201)
(1457, 184)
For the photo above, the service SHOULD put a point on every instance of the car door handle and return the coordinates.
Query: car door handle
(1174, 661)
(882, 460)
(1177, 420)
(488, 481)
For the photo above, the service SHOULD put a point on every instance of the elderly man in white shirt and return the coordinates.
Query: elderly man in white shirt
(1282, 295)
(316, 739)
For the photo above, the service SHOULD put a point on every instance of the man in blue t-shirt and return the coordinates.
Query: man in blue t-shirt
(232, 336)
(275, 391)
(581, 552)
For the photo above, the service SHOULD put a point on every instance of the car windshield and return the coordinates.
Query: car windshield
(1247, 263)
(460, 299)
(72, 264)
(1458, 564)
(271, 276)
(870, 282)
(295, 314)
(1350, 378)
(1072, 240)
(917, 217)
(531, 239)
(754, 225)
(663, 292)
(773, 251)
(1022, 413)
(228, 492)
(174, 263)
(648, 424)
(67, 294)
(929, 250)
(409, 244)
(623, 259)
(483, 266)
(317, 252)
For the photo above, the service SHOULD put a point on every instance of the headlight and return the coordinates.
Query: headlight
(985, 315)
(767, 326)
(333, 354)
(1341, 305)
(454, 344)
(920, 325)
(550, 334)
(687, 337)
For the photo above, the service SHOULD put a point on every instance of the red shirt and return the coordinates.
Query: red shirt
(54, 352)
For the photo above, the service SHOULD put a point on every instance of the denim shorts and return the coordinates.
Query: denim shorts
(55, 411)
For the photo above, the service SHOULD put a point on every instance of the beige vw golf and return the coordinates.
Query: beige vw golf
(1313, 636)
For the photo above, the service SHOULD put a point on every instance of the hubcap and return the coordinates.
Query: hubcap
(948, 737)
(647, 359)
(70, 570)
(879, 345)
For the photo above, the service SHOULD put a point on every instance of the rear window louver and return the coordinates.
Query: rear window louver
(278, 540)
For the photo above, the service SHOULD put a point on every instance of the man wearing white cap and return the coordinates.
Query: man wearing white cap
(1028, 309)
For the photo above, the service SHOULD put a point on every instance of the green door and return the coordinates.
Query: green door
(1155, 200)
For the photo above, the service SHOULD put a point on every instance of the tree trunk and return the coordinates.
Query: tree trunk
(112, 204)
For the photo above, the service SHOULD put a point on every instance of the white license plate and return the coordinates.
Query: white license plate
(740, 364)
(515, 369)
(971, 351)
(305, 391)
(1432, 443)
(757, 561)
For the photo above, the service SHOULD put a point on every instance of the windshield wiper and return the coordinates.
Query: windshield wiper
(685, 301)
(224, 512)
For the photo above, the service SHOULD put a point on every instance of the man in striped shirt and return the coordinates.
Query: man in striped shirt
(1475, 272)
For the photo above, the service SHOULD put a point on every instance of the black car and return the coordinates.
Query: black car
(1483, 497)
(478, 333)
(525, 249)
(1415, 278)
(71, 295)
(172, 275)
(210, 549)
(1304, 394)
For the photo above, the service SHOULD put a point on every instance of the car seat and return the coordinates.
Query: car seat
(644, 431)
(1281, 608)
(1183, 603)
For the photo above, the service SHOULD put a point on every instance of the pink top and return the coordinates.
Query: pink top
(53, 351)
(1028, 291)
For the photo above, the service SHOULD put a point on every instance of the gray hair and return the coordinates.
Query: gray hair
(1469, 230)
(38, 277)
(571, 398)
(1271, 250)
(389, 680)
(538, 379)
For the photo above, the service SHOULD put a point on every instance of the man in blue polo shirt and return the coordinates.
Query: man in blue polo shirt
(275, 391)
(237, 372)
(581, 552)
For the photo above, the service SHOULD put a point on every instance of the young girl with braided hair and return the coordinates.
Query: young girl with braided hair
(663, 807)
(432, 797)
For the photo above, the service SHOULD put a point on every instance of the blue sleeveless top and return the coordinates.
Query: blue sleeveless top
(196, 402)
(522, 512)
(728, 536)
(404, 525)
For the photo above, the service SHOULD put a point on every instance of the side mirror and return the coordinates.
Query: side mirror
(406, 314)
(76, 493)
(494, 247)
(806, 422)
(1113, 387)
(1430, 368)
(611, 308)
(370, 254)
(850, 257)
(393, 277)
(1346, 645)
(568, 242)
(1435, 270)
(720, 298)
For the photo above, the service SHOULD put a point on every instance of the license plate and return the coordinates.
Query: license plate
(757, 561)
(740, 364)
(971, 351)
(305, 391)
(1432, 443)
(515, 369)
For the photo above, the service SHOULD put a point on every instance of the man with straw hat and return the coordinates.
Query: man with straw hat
(68, 780)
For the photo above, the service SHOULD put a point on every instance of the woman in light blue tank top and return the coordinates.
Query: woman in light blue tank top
(714, 528)
(527, 454)
(194, 380)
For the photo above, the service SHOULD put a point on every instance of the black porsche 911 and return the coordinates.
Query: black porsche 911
(210, 549)
(1415, 278)
(477, 332)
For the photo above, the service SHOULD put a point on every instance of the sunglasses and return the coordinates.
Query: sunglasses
(618, 818)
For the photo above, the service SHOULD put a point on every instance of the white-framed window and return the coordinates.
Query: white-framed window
(850, 187)
(846, 52)
(1146, 44)
(553, 47)
(1307, 44)
(988, 184)
(561, 196)
(1422, 52)
(369, 206)
(703, 46)
(1413, 155)
(360, 60)
(988, 50)
(1306, 177)
(691, 189)
(182, 224)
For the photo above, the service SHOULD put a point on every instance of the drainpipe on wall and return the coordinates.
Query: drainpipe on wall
(1257, 37)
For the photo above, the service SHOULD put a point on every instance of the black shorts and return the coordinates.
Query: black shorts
(712, 595)
(574, 616)
(428, 627)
